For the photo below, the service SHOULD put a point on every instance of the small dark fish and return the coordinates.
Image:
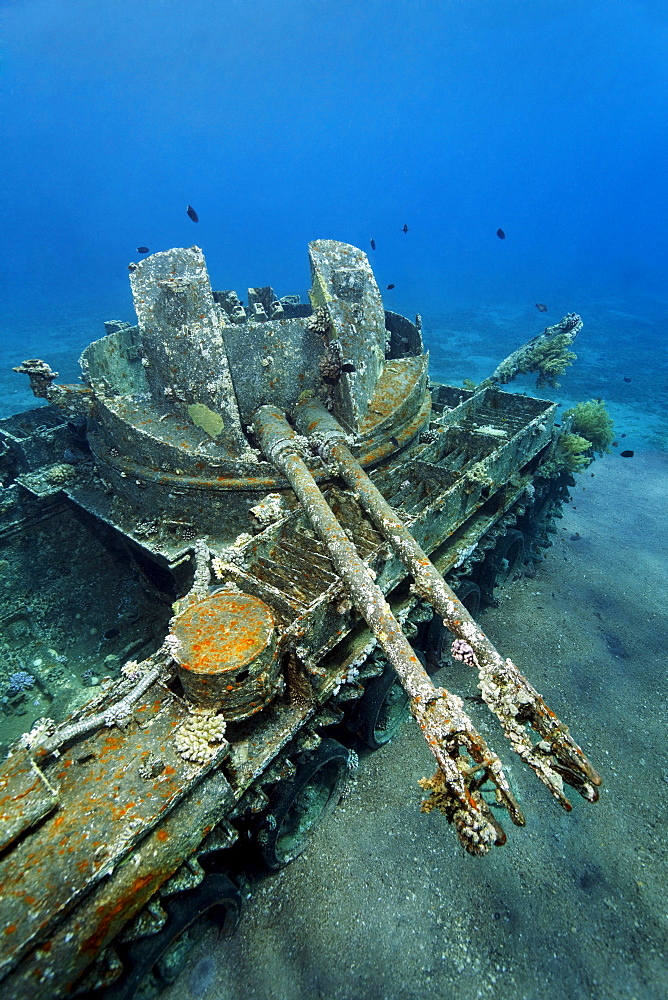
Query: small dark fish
(627, 454)
(192, 214)
(390, 287)
(626, 379)
(143, 250)
(541, 307)
(500, 233)
(348, 367)
(404, 228)
(394, 440)
(623, 435)
(615, 444)
(372, 244)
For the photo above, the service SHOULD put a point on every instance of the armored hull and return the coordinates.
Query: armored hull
(249, 530)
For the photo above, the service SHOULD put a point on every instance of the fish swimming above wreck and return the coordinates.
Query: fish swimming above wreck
(276, 530)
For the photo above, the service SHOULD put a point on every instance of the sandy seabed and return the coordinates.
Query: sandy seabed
(385, 905)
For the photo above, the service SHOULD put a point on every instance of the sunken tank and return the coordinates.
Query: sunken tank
(239, 548)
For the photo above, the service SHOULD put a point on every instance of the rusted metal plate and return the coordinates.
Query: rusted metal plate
(96, 922)
(273, 362)
(25, 796)
(182, 344)
(112, 789)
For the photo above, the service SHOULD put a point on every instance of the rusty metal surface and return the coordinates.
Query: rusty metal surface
(227, 653)
(25, 796)
(103, 913)
(108, 799)
(273, 362)
(344, 286)
(397, 397)
(183, 347)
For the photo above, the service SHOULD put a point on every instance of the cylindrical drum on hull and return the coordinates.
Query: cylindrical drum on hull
(227, 653)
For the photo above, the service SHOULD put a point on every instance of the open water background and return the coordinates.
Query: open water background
(282, 121)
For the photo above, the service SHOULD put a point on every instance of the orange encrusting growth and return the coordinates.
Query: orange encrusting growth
(224, 632)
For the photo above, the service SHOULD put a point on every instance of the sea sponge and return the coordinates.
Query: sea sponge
(592, 421)
(206, 419)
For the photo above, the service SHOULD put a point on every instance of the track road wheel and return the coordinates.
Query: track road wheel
(468, 593)
(297, 807)
(155, 961)
(502, 564)
(381, 710)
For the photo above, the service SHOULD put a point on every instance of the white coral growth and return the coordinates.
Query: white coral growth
(41, 730)
(172, 644)
(200, 737)
(271, 508)
(131, 669)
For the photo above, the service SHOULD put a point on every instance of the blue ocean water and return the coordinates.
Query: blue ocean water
(283, 121)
